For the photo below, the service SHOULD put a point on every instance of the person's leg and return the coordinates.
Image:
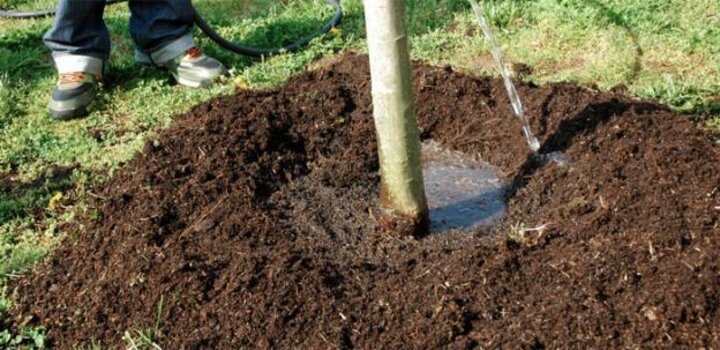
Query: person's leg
(78, 37)
(162, 31)
(80, 45)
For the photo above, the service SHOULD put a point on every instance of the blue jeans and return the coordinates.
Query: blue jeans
(79, 39)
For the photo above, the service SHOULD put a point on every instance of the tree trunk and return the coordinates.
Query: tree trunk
(403, 205)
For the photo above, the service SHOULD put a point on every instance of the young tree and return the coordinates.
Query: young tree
(403, 205)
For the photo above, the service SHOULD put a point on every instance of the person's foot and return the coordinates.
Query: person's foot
(195, 69)
(72, 95)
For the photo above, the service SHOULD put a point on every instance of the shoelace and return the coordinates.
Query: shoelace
(75, 77)
(193, 53)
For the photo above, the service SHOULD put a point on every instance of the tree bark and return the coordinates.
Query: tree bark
(403, 205)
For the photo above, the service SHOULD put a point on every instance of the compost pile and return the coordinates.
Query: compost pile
(248, 224)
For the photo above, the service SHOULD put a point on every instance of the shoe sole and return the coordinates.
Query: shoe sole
(195, 84)
(69, 114)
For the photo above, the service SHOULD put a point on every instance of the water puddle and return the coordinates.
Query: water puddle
(462, 192)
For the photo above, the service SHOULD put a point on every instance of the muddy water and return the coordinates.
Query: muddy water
(462, 192)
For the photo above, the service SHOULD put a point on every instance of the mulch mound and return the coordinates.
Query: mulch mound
(249, 222)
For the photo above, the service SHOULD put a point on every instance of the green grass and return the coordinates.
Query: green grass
(661, 49)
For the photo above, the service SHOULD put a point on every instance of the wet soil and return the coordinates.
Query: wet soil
(249, 222)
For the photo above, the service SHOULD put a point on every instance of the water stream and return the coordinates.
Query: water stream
(464, 192)
(514, 99)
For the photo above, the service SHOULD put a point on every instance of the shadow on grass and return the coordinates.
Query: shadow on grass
(18, 200)
(617, 20)
(709, 109)
(24, 63)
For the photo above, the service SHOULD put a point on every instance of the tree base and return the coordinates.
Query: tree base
(402, 225)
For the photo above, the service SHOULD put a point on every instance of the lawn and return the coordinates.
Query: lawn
(659, 49)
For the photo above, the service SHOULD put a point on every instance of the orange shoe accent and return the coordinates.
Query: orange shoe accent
(193, 52)
(76, 77)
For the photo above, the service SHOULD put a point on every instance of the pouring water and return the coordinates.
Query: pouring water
(514, 99)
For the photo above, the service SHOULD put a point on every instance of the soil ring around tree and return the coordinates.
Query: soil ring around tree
(249, 221)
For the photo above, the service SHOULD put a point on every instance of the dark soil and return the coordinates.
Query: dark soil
(250, 220)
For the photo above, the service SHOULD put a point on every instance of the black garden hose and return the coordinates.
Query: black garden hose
(212, 34)
(256, 51)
